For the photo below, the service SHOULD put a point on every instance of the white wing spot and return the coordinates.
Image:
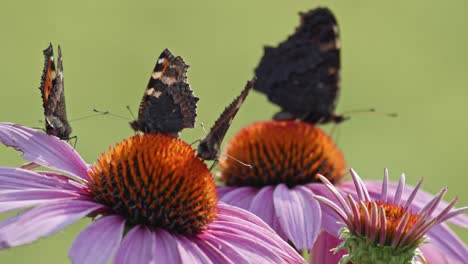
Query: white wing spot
(156, 75)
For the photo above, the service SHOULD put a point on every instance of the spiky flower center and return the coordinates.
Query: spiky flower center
(286, 152)
(394, 217)
(155, 181)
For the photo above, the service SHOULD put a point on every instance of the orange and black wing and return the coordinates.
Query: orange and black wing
(53, 98)
(168, 105)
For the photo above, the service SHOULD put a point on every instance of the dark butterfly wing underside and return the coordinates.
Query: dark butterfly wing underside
(53, 98)
(168, 105)
(301, 75)
(170, 111)
(209, 147)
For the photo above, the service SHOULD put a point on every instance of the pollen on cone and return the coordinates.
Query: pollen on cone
(286, 152)
(157, 181)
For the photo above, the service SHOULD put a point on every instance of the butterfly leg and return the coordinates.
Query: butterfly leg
(213, 165)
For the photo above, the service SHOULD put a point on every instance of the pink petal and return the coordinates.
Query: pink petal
(433, 255)
(215, 254)
(442, 237)
(240, 222)
(99, 241)
(65, 181)
(14, 178)
(322, 250)
(166, 247)
(330, 219)
(228, 212)
(222, 190)
(42, 149)
(240, 197)
(192, 252)
(137, 247)
(17, 199)
(299, 214)
(263, 207)
(241, 249)
(43, 221)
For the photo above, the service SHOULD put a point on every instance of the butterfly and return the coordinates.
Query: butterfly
(209, 147)
(53, 98)
(301, 74)
(168, 104)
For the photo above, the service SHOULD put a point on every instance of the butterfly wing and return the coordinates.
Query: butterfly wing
(209, 147)
(53, 98)
(301, 75)
(168, 105)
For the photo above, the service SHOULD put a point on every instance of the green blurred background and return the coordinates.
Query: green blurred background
(405, 56)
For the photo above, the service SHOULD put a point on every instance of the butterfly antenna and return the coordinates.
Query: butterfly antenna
(203, 127)
(109, 113)
(131, 112)
(196, 141)
(370, 110)
(97, 113)
(335, 133)
(237, 160)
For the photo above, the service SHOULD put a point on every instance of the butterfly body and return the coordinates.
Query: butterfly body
(53, 98)
(301, 74)
(168, 104)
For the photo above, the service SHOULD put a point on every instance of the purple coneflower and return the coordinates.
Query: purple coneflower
(153, 202)
(280, 186)
(386, 229)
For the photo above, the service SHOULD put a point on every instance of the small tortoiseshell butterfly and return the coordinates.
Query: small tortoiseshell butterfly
(301, 75)
(53, 98)
(168, 105)
(209, 147)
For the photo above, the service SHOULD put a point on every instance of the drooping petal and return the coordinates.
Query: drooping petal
(137, 247)
(442, 237)
(243, 222)
(16, 199)
(19, 179)
(212, 252)
(241, 249)
(263, 207)
(322, 252)
(65, 182)
(222, 190)
(433, 255)
(330, 219)
(240, 197)
(42, 149)
(199, 252)
(299, 214)
(99, 241)
(166, 248)
(43, 221)
(227, 212)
